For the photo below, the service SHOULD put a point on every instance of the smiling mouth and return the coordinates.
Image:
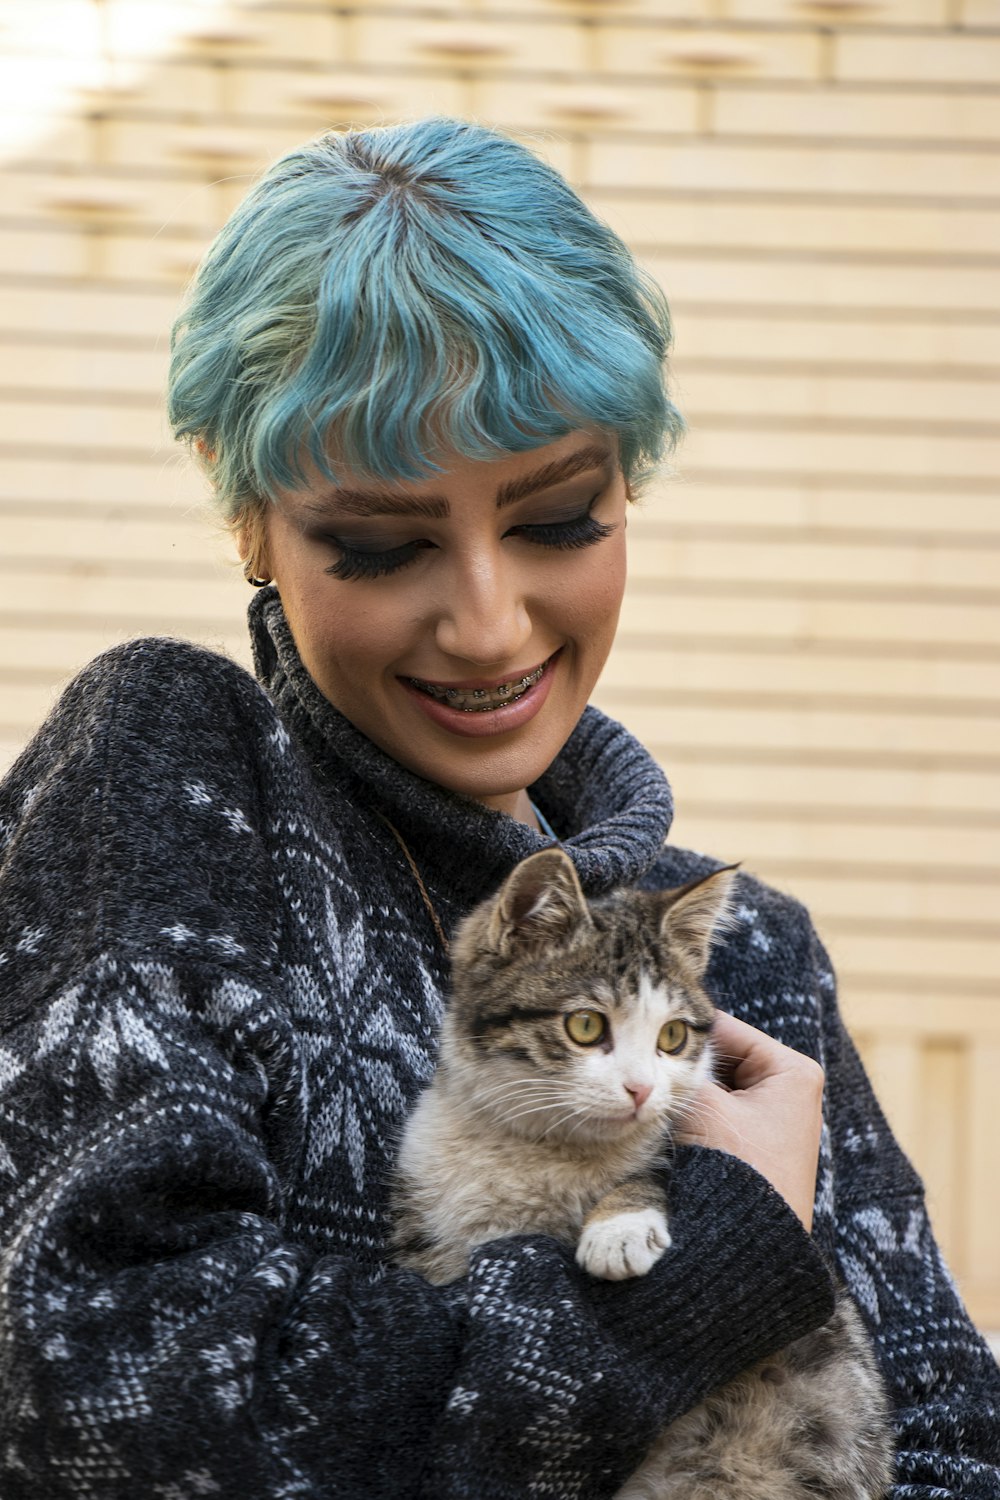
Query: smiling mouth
(480, 700)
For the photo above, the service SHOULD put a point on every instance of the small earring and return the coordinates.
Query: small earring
(248, 574)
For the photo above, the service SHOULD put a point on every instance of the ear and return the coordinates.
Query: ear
(694, 914)
(540, 901)
(249, 528)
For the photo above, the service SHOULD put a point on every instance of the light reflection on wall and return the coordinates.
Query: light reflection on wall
(54, 53)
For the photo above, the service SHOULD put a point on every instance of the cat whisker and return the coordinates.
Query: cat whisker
(725, 1059)
(507, 1109)
(538, 1109)
(540, 1096)
(583, 1113)
(491, 1099)
(692, 1109)
(521, 1083)
(507, 1083)
(523, 1096)
(506, 1117)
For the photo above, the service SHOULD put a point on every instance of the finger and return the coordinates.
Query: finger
(746, 1055)
(734, 1043)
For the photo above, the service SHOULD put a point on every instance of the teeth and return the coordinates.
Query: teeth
(480, 700)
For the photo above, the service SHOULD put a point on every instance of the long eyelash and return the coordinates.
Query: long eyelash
(369, 564)
(584, 531)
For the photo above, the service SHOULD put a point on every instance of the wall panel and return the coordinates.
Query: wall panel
(811, 638)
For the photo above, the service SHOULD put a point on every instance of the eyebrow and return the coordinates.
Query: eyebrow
(435, 507)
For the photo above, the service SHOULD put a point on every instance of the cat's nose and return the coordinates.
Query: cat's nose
(640, 1092)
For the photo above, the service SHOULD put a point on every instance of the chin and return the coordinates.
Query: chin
(495, 785)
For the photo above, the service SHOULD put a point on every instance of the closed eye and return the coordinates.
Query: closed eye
(579, 531)
(358, 562)
(583, 530)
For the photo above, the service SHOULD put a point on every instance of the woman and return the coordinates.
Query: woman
(423, 380)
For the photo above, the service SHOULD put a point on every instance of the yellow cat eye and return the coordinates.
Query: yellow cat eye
(673, 1037)
(585, 1027)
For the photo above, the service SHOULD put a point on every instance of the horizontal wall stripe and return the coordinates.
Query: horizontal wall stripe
(811, 634)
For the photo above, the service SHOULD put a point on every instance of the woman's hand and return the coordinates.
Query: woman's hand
(766, 1108)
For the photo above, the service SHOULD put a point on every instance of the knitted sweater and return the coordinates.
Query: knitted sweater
(220, 989)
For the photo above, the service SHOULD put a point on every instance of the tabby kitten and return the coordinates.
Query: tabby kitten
(576, 1036)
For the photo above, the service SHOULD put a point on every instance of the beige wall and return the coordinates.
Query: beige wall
(810, 640)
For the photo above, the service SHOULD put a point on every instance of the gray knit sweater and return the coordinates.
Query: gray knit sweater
(220, 988)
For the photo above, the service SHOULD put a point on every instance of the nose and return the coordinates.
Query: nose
(640, 1092)
(485, 618)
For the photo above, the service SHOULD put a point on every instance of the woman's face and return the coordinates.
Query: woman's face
(460, 621)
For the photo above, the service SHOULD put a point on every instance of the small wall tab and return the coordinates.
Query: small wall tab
(592, 106)
(214, 34)
(707, 54)
(340, 94)
(463, 44)
(213, 147)
(91, 200)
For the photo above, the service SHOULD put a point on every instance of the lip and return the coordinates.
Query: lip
(498, 720)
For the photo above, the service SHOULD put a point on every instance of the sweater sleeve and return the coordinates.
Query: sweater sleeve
(942, 1378)
(161, 1332)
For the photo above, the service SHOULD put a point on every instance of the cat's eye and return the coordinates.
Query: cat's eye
(673, 1036)
(585, 1027)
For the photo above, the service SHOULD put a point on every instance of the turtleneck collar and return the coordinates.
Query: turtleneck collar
(604, 795)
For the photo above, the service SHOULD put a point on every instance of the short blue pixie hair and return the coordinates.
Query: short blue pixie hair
(384, 295)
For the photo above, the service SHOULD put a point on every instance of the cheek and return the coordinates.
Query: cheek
(609, 584)
(340, 636)
(323, 638)
(590, 594)
(610, 590)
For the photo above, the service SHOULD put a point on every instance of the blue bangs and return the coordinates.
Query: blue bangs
(385, 297)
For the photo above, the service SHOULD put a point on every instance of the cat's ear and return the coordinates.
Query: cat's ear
(694, 914)
(540, 901)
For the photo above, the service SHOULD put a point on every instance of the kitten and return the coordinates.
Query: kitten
(576, 1036)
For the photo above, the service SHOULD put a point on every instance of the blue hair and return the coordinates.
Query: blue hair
(383, 295)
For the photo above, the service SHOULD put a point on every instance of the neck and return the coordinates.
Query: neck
(516, 805)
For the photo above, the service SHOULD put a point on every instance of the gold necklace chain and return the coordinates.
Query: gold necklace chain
(417, 877)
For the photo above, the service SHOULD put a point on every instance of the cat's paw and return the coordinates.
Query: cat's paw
(624, 1245)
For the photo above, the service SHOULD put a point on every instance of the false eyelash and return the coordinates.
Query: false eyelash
(581, 531)
(353, 564)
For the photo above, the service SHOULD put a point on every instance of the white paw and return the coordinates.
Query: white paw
(627, 1245)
